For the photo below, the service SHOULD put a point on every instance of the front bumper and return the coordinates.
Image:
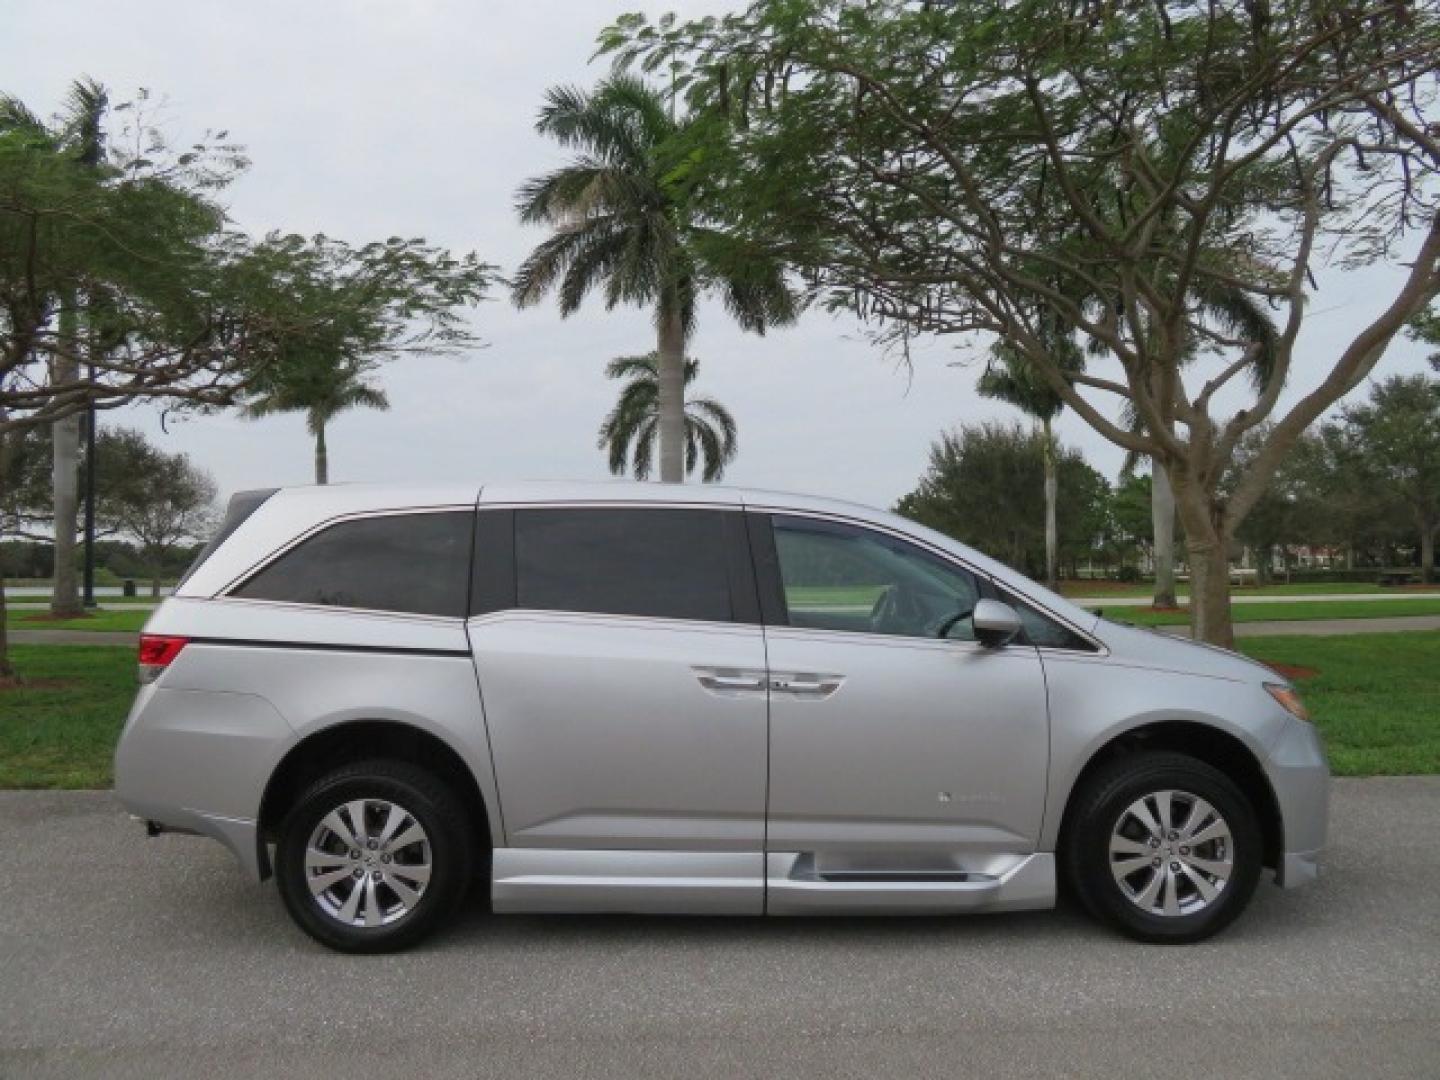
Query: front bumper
(1300, 777)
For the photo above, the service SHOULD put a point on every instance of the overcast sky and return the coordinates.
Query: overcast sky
(370, 119)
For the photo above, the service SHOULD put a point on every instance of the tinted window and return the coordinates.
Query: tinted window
(402, 562)
(665, 563)
(837, 577)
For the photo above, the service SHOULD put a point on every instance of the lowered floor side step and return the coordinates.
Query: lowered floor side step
(794, 887)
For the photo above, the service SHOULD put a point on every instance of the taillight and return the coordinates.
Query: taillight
(156, 653)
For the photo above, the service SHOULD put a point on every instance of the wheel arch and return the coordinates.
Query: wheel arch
(355, 740)
(1204, 742)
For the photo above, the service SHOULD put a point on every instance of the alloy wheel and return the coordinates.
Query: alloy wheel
(1171, 853)
(368, 863)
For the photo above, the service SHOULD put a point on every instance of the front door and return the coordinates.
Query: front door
(624, 693)
(900, 748)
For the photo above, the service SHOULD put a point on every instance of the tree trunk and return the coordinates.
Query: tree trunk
(1427, 552)
(322, 455)
(671, 348)
(1207, 546)
(65, 474)
(1162, 520)
(1264, 565)
(1052, 532)
(155, 584)
(6, 668)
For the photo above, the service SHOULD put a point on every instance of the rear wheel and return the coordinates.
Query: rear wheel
(374, 857)
(1163, 847)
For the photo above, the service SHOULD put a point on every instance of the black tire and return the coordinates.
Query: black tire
(436, 809)
(1095, 813)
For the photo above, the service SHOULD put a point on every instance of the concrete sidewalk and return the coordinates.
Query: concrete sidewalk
(1241, 600)
(1323, 627)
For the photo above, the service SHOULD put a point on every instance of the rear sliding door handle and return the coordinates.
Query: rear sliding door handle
(714, 680)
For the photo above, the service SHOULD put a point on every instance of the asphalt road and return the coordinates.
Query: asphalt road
(121, 956)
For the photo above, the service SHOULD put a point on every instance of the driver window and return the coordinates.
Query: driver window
(837, 577)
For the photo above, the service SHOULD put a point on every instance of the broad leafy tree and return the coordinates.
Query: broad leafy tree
(625, 219)
(1394, 439)
(631, 430)
(984, 487)
(179, 309)
(964, 168)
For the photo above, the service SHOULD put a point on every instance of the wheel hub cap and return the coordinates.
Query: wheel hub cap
(368, 863)
(1171, 853)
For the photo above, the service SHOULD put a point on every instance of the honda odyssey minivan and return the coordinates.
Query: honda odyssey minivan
(667, 699)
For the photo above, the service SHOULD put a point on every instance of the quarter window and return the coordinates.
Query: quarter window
(837, 577)
(1045, 632)
(662, 563)
(417, 563)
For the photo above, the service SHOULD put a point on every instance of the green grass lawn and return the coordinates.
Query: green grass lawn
(101, 620)
(60, 732)
(1376, 697)
(1304, 610)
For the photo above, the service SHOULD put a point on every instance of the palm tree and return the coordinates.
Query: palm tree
(623, 219)
(79, 135)
(634, 422)
(322, 389)
(1014, 381)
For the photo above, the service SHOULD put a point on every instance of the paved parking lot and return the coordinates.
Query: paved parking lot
(121, 956)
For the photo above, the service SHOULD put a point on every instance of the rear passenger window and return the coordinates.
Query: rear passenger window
(418, 563)
(663, 563)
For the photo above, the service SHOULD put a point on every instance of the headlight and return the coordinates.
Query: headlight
(1289, 700)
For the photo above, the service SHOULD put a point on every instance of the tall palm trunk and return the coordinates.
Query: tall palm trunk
(6, 669)
(65, 474)
(670, 342)
(1162, 518)
(322, 454)
(1052, 531)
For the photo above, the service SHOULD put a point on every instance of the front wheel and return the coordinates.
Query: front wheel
(1163, 847)
(374, 857)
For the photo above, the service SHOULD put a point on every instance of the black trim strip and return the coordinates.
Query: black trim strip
(766, 560)
(325, 646)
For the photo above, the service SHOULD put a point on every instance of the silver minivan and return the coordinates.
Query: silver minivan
(666, 699)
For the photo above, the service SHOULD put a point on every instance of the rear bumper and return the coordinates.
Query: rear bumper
(1300, 778)
(240, 835)
(197, 762)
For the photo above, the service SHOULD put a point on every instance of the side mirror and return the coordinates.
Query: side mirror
(995, 623)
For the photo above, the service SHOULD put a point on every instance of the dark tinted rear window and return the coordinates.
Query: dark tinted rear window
(416, 563)
(664, 563)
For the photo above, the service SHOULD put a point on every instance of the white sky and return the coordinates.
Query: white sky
(370, 119)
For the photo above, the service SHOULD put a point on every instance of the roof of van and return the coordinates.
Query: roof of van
(332, 500)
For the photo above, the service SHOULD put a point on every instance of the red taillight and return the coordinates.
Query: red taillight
(156, 653)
